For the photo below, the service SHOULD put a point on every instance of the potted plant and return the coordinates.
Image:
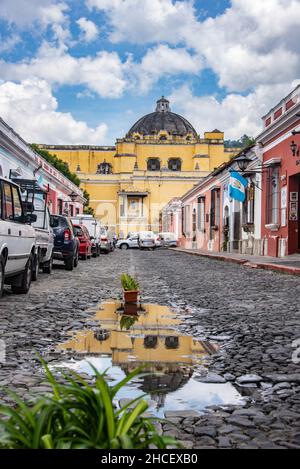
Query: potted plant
(130, 288)
(131, 309)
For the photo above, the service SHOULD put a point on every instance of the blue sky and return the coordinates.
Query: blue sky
(83, 72)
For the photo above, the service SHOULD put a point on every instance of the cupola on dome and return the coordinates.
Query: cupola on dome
(163, 120)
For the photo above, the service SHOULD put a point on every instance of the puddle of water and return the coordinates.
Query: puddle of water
(148, 335)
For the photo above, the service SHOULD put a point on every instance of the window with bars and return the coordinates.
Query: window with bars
(273, 191)
(60, 206)
(201, 214)
(153, 164)
(249, 204)
(186, 222)
(174, 164)
(215, 208)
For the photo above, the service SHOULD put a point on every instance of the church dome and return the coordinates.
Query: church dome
(163, 120)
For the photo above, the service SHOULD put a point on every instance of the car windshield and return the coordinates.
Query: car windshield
(56, 221)
(78, 231)
(167, 236)
(147, 234)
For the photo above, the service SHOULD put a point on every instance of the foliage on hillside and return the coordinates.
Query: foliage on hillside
(244, 142)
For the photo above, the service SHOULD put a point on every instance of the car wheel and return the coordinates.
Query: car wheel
(47, 267)
(26, 279)
(2, 272)
(76, 260)
(35, 268)
(69, 264)
(124, 247)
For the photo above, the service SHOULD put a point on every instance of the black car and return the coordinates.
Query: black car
(66, 244)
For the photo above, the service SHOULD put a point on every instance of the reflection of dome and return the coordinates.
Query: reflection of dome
(163, 120)
(161, 378)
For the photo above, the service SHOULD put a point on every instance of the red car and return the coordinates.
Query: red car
(85, 246)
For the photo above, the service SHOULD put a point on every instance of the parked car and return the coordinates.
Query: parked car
(131, 242)
(35, 202)
(17, 240)
(85, 243)
(146, 240)
(94, 229)
(106, 241)
(66, 244)
(167, 240)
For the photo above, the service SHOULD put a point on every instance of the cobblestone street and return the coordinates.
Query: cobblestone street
(253, 315)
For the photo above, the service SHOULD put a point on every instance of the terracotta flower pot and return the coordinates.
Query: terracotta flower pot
(131, 309)
(131, 296)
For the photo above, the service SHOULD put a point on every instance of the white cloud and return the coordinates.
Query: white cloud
(252, 42)
(236, 114)
(146, 21)
(163, 61)
(31, 109)
(88, 28)
(26, 12)
(103, 74)
(7, 44)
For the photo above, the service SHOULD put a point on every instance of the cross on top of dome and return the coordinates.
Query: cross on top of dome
(163, 105)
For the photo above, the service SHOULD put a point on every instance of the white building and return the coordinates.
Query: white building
(18, 160)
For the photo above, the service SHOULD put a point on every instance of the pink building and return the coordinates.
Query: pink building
(280, 147)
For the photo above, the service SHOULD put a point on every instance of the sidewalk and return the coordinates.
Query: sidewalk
(287, 265)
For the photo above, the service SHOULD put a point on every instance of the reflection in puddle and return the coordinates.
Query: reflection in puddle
(147, 335)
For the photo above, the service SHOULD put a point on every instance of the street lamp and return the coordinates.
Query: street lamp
(73, 196)
(243, 162)
(294, 148)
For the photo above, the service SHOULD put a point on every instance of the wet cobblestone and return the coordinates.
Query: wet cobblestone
(253, 315)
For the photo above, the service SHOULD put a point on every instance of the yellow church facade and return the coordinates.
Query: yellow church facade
(160, 158)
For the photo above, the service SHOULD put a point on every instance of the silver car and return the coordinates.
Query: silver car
(167, 240)
(106, 241)
(146, 240)
(131, 242)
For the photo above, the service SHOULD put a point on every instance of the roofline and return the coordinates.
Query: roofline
(76, 147)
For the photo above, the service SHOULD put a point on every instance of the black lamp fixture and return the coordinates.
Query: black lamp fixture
(294, 148)
(243, 162)
(73, 196)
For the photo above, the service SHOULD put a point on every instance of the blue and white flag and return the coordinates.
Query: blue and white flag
(237, 186)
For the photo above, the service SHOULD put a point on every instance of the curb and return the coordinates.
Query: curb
(283, 269)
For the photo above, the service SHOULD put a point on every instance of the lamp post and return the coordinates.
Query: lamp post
(243, 162)
(73, 196)
(294, 148)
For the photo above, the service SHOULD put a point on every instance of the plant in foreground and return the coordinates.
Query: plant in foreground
(129, 283)
(79, 416)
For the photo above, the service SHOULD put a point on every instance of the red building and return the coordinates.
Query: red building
(280, 145)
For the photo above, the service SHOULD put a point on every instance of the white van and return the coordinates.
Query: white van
(94, 228)
(34, 200)
(17, 240)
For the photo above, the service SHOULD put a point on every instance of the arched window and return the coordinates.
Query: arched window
(174, 164)
(153, 164)
(163, 138)
(104, 168)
